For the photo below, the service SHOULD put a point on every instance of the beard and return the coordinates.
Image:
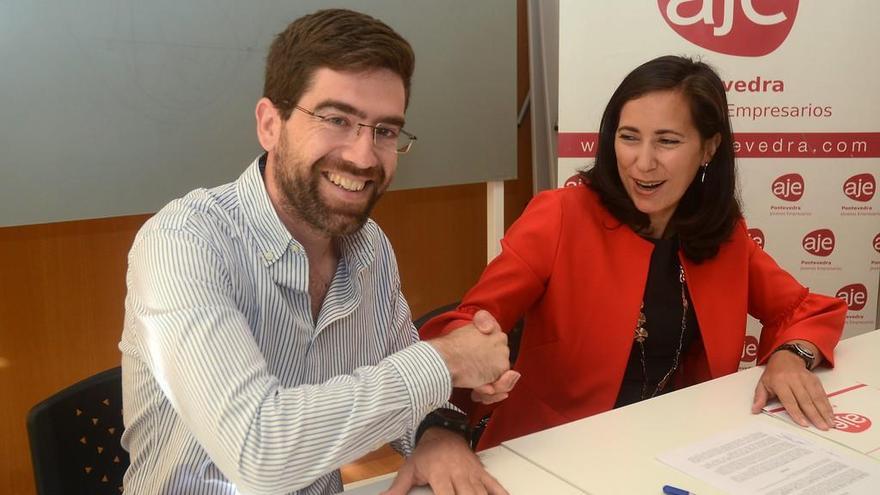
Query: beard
(300, 188)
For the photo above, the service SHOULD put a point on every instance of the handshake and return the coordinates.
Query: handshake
(478, 358)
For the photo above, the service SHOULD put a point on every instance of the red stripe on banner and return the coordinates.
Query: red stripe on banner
(758, 144)
(577, 144)
(807, 144)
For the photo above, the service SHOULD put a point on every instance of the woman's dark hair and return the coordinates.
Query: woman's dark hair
(708, 211)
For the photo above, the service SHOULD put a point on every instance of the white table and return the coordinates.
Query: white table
(614, 452)
(516, 474)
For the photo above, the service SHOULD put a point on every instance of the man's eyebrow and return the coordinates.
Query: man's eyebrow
(341, 106)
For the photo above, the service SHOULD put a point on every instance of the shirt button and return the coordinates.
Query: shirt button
(268, 256)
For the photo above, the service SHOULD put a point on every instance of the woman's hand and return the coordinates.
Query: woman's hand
(496, 391)
(797, 388)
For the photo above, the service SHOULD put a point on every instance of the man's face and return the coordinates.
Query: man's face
(328, 176)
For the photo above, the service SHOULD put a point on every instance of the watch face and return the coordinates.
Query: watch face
(803, 350)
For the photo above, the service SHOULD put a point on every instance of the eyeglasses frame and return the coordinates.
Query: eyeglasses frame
(360, 125)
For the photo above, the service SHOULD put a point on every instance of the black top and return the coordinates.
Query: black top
(662, 309)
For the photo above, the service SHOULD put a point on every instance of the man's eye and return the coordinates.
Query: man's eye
(336, 121)
(386, 132)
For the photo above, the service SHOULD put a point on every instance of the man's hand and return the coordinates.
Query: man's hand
(477, 353)
(799, 391)
(443, 460)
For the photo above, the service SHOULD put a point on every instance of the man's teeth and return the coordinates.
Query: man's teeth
(649, 185)
(346, 183)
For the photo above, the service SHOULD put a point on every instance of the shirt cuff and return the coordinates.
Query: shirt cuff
(425, 376)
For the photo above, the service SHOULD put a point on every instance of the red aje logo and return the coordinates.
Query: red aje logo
(851, 422)
(757, 236)
(788, 187)
(747, 28)
(819, 242)
(573, 181)
(750, 350)
(877, 243)
(860, 187)
(854, 295)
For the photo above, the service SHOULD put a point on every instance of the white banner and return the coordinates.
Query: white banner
(802, 86)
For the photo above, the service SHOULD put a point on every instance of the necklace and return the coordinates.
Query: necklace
(640, 335)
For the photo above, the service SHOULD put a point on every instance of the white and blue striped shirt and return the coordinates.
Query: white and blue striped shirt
(229, 386)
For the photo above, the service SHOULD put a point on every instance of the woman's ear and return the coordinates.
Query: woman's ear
(268, 124)
(709, 147)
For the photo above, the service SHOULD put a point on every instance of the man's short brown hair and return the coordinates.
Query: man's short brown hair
(338, 39)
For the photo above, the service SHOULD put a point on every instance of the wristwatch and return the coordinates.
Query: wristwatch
(449, 419)
(801, 351)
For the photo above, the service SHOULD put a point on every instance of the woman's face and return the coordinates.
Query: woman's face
(659, 152)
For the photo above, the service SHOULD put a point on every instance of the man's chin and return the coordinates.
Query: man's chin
(344, 223)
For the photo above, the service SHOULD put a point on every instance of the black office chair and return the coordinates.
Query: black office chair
(74, 437)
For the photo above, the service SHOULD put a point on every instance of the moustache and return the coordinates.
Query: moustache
(375, 174)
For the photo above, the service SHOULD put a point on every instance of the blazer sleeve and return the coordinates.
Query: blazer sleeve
(518, 276)
(789, 311)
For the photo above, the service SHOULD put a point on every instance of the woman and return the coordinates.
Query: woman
(639, 280)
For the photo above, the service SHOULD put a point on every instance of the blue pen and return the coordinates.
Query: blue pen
(671, 490)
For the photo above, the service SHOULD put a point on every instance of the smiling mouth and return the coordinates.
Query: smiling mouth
(649, 185)
(346, 183)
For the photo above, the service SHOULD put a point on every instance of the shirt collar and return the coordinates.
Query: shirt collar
(273, 238)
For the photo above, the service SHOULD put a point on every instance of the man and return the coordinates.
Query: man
(266, 338)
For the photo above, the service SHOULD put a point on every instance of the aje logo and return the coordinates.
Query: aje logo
(854, 295)
(757, 236)
(789, 187)
(750, 350)
(851, 422)
(573, 181)
(819, 242)
(860, 187)
(877, 243)
(748, 28)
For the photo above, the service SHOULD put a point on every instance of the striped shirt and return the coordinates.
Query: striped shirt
(228, 384)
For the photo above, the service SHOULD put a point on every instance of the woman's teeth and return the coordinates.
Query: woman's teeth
(346, 183)
(649, 185)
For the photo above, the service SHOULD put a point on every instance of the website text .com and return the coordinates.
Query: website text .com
(759, 144)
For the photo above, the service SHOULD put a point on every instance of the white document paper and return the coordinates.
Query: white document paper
(764, 460)
(856, 410)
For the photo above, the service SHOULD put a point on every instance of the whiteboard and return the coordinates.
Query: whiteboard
(115, 107)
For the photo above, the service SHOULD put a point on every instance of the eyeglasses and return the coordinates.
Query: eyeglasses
(387, 137)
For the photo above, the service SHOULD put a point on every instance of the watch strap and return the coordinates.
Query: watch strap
(448, 419)
(800, 351)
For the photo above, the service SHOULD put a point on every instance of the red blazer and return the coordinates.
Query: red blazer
(578, 277)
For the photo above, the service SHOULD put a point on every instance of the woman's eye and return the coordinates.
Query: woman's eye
(626, 137)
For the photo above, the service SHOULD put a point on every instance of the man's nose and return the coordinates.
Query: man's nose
(361, 149)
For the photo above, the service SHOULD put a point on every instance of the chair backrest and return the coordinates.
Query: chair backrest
(74, 437)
